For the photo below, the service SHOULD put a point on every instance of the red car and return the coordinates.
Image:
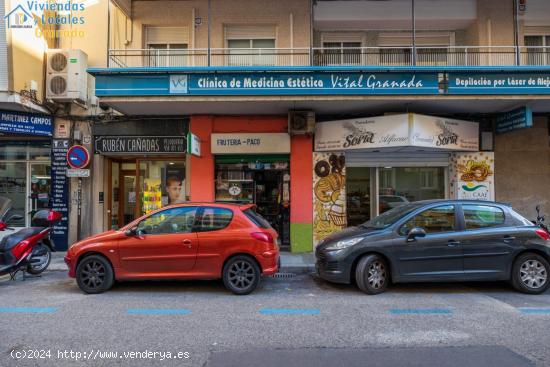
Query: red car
(185, 241)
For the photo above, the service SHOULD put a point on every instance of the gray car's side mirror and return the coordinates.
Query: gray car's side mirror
(414, 233)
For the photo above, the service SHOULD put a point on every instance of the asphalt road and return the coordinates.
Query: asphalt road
(299, 321)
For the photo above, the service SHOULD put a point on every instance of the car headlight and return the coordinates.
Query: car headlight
(344, 243)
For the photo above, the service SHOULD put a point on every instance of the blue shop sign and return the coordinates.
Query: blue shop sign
(25, 123)
(519, 118)
(499, 83)
(314, 83)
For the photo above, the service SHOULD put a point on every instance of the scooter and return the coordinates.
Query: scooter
(540, 220)
(29, 249)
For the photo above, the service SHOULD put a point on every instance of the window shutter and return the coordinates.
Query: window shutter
(398, 39)
(236, 32)
(164, 35)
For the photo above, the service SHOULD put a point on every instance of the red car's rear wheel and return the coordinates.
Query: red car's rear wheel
(241, 275)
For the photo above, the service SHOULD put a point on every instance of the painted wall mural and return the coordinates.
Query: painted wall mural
(472, 176)
(329, 195)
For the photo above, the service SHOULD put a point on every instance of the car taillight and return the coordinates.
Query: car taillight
(262, 236)
(20, 249)
(543, 234)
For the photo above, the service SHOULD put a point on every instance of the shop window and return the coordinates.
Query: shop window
(13, 189)
(170, 221)
(400, 185)
(13, 152)
(214, 219)
(436, 220)
(161, 183)
(482, 216)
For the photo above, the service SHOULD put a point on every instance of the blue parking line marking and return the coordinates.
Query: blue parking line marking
(158, 311)
(290, 311)
(420, 311)
(534, 310)
(28, 309)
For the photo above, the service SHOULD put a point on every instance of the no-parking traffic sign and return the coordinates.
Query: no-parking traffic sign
(78, 156)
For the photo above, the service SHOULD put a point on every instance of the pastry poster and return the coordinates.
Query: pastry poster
(473, 176)
(329, 195)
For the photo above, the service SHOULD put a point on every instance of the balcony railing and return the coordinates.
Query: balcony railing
(319, 56)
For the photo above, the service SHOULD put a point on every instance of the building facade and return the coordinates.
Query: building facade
(324, 114)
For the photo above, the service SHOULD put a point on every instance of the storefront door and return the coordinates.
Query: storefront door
(261, 180)
(40, 187)
(128, 193)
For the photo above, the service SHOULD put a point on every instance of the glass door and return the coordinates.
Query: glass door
(40, 187)
(128, 200)
(13, 189)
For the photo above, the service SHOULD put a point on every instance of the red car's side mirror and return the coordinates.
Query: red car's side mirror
(3, 226)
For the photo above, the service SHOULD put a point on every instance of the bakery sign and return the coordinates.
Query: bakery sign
(140, 144)
(396, 131)
(250, 143)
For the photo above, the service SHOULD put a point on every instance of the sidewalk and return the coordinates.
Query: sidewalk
(290, 263)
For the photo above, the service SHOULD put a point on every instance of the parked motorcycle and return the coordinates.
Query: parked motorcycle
(540, 220)
(27, 249)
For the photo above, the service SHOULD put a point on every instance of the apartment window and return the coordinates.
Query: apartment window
(167, 46)
(537, 50)
(431, 48)
(251, 45)
(341, 53)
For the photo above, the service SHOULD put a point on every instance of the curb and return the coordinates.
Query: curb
(304, 269)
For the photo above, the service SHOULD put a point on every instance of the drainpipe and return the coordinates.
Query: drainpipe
(414, 33)
(311, 18)
(209, 29)
(516, 30)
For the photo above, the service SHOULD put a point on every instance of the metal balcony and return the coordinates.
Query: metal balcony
(323, 56)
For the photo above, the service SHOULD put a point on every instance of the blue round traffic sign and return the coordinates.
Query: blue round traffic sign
(78, 156)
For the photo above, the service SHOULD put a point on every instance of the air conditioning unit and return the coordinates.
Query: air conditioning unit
(66, 79)
(301, 122)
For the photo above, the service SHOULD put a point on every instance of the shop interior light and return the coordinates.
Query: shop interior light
(171, 163)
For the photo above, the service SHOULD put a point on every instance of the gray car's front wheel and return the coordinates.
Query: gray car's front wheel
(372, 274)
(530, 274)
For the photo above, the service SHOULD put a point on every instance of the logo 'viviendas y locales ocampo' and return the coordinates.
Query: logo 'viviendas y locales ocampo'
(45, 16)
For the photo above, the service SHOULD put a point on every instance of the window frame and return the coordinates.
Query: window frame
(193, 227)
(463, 217)
(457, 222)
(198, 220)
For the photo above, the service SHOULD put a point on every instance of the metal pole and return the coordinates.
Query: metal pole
(209, 29)
(311, 19)
(413, 33)
(79, 208)
(516, 30)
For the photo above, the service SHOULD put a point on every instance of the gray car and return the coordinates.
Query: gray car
(439, 240)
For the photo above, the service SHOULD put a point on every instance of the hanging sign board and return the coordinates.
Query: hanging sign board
(193, 144)
(520, 118)
(395, 131)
